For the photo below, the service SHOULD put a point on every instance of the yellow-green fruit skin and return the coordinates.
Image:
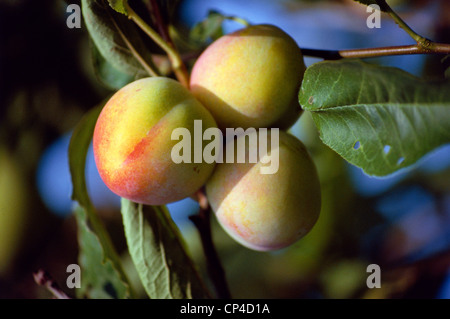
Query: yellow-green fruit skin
(266, 212)
(133, 142)
(250, 78)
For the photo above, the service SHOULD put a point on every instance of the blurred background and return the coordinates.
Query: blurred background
(47, 83)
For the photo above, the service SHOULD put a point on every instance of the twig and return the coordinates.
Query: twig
(214, 266)
(324, 54)
(439, 48)
(421, 41)
(178, 66)
(42, 278)
(149, 67)
(434, 48)
(423, 46)
(158, 19)
(244, 22)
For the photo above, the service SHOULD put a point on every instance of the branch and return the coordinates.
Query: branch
(42, 278)
(421, 41)
(423, 46)
(433, 48)
(149, 67)
(214, 266)
(177, 63)
(153, 8)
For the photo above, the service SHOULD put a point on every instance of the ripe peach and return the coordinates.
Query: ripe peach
(132, 142)
(250, 78)
(267, 211)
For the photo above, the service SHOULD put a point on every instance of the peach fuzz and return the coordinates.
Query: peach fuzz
(266, 212)
(132, 142)
(250, 78)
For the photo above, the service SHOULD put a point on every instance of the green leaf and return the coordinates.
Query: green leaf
(208, 29)
(102, 274)
(78, 148)
(100, 277)
(371, 2)
(119, 6)
(167, 8)
(106, 73)
(116, 38)
(378, 118)
(158, 252)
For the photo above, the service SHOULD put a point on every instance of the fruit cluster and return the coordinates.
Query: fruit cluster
(246, 79)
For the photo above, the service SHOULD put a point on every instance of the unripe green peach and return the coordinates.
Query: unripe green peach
(250, 78)
(267, 211)
(133, 142)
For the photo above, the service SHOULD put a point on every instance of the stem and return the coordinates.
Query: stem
(177, 63)
(151, 69)
(324, 54)
(214, 266)
(154, 10)
(44, 279)
(423, 46)
(438, 48)
(423, 42)
(434, 48)
(239, 20)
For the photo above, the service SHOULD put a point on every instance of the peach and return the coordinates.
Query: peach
(250, 78)
(267, 212)
(132, 142)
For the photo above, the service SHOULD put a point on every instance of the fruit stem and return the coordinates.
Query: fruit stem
(239, 20)
(214, 266)
(177, 63)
